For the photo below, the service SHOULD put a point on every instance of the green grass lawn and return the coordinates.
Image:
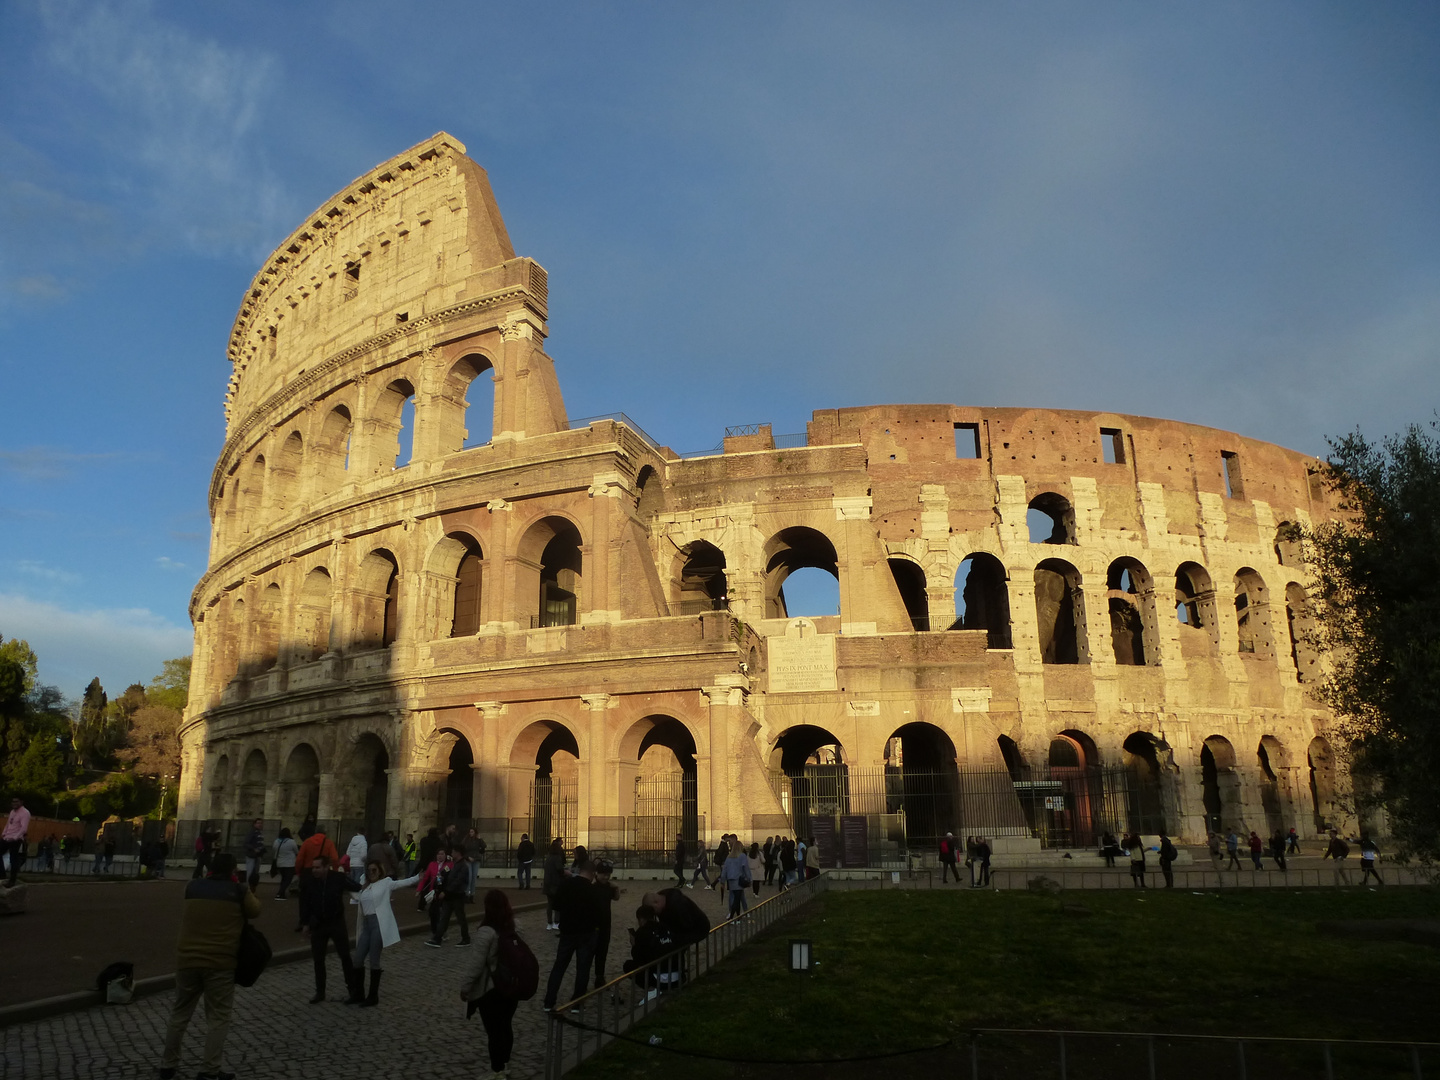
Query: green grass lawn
(912, 969)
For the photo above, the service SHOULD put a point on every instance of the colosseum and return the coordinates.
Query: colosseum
(433, 598)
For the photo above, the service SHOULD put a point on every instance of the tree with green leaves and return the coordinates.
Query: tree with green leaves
(171, 687)
(1377, 575)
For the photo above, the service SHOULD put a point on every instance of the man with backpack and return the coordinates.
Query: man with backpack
(948, 859)
(579, 923)
(1168, 855)
(210, 926)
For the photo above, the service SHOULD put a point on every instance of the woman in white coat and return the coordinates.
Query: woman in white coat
(377, 930)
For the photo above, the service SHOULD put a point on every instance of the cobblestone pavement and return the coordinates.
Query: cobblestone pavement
(275, 1033)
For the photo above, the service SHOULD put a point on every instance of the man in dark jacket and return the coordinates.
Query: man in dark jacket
(579, 921)
(683, 922)
(606, 893)
(524, 860)
(679, 867)
(322, 915)
(214, 914)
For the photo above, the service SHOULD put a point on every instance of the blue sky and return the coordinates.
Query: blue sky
(1220, 213)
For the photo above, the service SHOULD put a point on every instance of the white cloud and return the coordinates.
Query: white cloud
(167, 563)
(47, 573)
(46, 462)
(119, 645)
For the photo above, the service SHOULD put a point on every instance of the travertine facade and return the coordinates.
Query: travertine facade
(392, 598)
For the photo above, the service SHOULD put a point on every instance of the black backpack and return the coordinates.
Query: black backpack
(254, 951)
(517, 972)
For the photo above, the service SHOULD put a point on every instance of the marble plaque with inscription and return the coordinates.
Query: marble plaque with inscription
(801, 661)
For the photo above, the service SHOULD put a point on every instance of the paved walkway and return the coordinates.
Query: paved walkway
(419, 1032)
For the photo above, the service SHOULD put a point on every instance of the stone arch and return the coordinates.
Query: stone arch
(910, 580)
(658, 781)
(982, 599)
(1195, 611)
(1060, 612)
(1050, 519)
(1324, 804)
(1151, 801)
(265, 642)
(300, 784)
(466, 416)
(796, 548)
(553, 751)
(1073, 762)
(250, 796)
(1273, 762)
(285, 474)
(1013, 759)
(331, 450)
(1220, 785)
(454, 577)
(393, 438)
(1289, 544)
(312, 616)
(457, 791)
(1252, 615)
(816, 774)
(698, 581)
(367, 781)
(218, 785)
(1130, 591)
(252, 495)
(1301, 626)
(650, 493)
(377, 596)
(805, 744)
(549, 568)
(923, 783)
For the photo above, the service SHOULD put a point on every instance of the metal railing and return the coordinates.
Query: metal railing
(578, 422)
(600, 1016)
(1146, 1053)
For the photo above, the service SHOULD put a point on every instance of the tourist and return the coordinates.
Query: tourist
(1109, 848)
(307, 829)
(286, 852)
(1213, 842)
(577, 923)
(1292, 841)
(800, 849)
(1168, 855)
(429, 846)
(428, 889)
(1136, 847)
(355, 857)
(768, 855)
(383, 852)
(453, 888)
(812, 859)
(322, 915)
(1277, 848)
(312, 846)
(398, 850)
(982, 859)
(211, 920)
(970, 858)
(496, 1009)
(1257, 848)
(254, 849)
(377, 929)
(649, 942)
(1339, 851)
(735, 873)
(702, 868)
(581, 855)
(678, 864)
(475, 848)
(787, 863)
(606, 893)
(524, 861)
(409, 853)
(158, 856)
(757, 868)
(682, 919)
(12, 839)
(1369, 856)
(1232, 848)
(50, 844)
(948, 858)
(554, 875)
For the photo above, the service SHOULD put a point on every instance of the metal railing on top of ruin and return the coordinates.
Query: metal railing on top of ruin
(619, 418)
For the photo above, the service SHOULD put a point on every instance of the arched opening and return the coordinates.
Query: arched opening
(910, 580)
(1011, 756)
(266, 640)
(286, 472)
(922, 784)
(252, 498)
(552, 750)
(250, 800)
(1289, 540)
(1195, 611)
(651, 498)
(982, 600)
(1220, 786)
(815, 780)
(313, 616)
(1273, 763)
(1252, 615)
(1146, 782)
(1321, 759)
(1050, 519)
(218, 785)
(468, 404)
(1060, 612)
(378, 598)
(550, 571)
(465, 619)
(232, 665)
(369, 765)
(805, 559)
(701, 584)
(300, 785)
(331, 451)
(394, 426)
(1300, 621)
(664, 790)
(1062, 806)
(457, 799)
(1131, 596)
